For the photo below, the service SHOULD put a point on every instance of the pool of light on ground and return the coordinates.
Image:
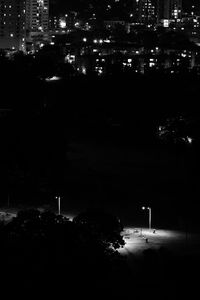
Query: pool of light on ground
(138, 240)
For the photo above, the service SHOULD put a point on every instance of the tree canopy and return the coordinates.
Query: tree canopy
(41, 245)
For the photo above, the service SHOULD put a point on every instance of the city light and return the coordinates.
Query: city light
(189, 140)
(100, 113)
(62, 24)
(84, 70)
(53, 78)
(107, 41)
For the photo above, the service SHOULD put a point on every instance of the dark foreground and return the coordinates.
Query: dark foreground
(68, 262)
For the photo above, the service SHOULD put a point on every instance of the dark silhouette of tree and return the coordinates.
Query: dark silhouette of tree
(103, 226)
(77, 245)
(65, 70)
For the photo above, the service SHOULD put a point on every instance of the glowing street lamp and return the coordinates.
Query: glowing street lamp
(58, 197)
(149, 209)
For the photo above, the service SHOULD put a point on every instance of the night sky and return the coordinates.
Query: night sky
(60, 6)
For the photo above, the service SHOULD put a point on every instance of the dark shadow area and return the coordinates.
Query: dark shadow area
(47, 253)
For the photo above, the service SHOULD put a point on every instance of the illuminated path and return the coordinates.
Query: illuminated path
(172, 240)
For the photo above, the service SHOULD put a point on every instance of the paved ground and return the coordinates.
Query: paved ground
(176, 241)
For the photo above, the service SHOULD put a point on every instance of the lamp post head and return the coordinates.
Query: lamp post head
(144, 207)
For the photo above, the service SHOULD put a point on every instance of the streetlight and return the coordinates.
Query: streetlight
(58, 197)
(149, 209)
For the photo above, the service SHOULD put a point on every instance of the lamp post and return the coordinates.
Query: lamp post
(8, 201)
(58, 197)
(149, 209)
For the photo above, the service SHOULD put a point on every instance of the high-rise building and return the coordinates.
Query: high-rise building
(12, 24)
(147, 11)
(37, 15)
(136, 10)
(169, 9)
(37, 22)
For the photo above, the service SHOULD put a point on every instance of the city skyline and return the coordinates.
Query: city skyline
(23, 23)
(99, 148)
(12, 24)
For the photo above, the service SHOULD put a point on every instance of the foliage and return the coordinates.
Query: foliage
(103, 226)
(43, 243)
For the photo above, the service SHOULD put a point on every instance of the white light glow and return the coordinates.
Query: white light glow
(189, 139)
(62, 24)
(166, 23)
(53, 78)
(135, 240)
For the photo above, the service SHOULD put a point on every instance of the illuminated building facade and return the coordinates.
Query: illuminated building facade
(12, 24)
(169, 10)
(37, 15)
(37, 20)
(147, 11)
(176, 9)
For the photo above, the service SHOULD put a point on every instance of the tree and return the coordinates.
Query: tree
(43, 245)
(104, 227)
